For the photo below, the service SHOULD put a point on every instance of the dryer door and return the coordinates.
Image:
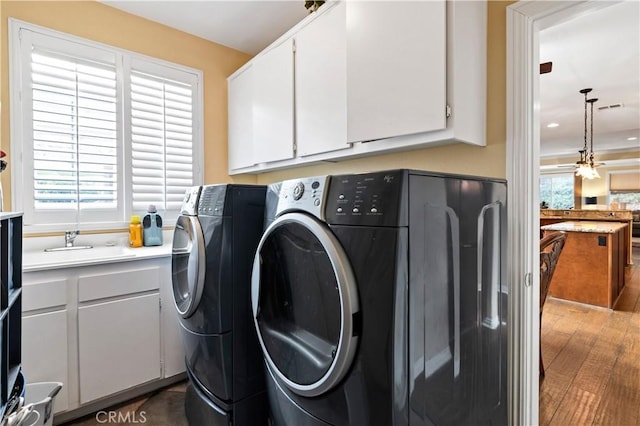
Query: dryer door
(305, 304)
(187, 264)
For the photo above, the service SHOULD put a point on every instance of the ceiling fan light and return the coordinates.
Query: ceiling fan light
(587, 171)
(582, 170)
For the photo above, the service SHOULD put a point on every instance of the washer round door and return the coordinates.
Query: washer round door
(304, 299)
(187, 264)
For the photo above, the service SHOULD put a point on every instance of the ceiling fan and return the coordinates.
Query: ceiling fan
(585, 167)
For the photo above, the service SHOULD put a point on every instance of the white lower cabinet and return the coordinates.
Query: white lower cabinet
(45, 332)
(44, 352)
(118, 345)
(101, 330)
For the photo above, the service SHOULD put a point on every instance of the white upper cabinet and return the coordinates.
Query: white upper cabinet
(396, 68)
(241, 119)
(321, 84)
(273, 104)
(359, 78)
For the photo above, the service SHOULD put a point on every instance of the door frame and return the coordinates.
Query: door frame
(525, 19)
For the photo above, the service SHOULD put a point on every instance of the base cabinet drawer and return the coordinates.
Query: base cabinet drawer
(126, 335)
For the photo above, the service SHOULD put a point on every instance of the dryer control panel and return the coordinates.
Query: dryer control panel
(368, 199)
(190, 201)
(305, 194)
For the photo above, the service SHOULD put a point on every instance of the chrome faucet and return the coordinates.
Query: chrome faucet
(69, 237)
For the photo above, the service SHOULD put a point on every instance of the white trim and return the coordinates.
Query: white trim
(96, 44)
(524, 21)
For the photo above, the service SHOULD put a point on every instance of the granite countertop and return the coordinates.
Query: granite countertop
(588, 214)
(586, 226)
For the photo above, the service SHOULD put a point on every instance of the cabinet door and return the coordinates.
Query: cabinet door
(321, 83)
(241, 119)
(273, 104)
(396, 68)
(44, 352)
(119, 345)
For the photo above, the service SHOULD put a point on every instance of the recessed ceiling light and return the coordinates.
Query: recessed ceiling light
(633, 138)
(552, 125)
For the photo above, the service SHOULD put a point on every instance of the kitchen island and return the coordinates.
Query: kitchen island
(549, 216)
(591, 266)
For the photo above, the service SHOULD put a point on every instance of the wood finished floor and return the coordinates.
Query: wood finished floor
(592, 360)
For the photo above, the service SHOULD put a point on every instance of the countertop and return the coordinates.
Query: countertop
(586, 226)
(38, 260)
(588, 214)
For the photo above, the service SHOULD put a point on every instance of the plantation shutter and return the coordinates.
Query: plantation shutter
(75, 161)
(162, 135)
(100, 132)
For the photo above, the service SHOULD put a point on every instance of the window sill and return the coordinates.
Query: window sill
(43, 230)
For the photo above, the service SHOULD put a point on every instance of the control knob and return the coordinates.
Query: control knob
(298, 190)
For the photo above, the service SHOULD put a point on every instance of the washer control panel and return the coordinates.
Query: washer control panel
(212, 198)
(190, 201)
(305, 194)
(372, 199)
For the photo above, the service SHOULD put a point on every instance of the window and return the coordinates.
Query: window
(557, 190)
(624, 188)
(74, 133)
(161, 140)
(104, 132)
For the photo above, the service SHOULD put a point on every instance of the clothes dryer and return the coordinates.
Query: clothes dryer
(213, 246)
(379, 299)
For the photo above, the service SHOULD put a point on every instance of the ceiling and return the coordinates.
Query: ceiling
(600, 50)
(248, 26)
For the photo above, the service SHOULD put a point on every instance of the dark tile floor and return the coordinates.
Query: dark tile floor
(161, 408)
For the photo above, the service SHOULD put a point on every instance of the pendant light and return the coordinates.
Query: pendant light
(585, 166)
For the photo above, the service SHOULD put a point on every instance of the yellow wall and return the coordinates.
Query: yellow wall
(459, 158)
(95, 21)
(98, 22)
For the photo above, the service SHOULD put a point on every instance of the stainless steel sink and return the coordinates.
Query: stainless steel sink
(67, 248)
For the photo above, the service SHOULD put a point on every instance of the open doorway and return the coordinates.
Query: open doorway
(585, 346)
(525, 20)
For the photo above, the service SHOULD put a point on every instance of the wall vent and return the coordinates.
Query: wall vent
(612, 106)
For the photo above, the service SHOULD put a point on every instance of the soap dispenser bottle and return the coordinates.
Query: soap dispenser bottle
(152, 224)
(135, 232)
